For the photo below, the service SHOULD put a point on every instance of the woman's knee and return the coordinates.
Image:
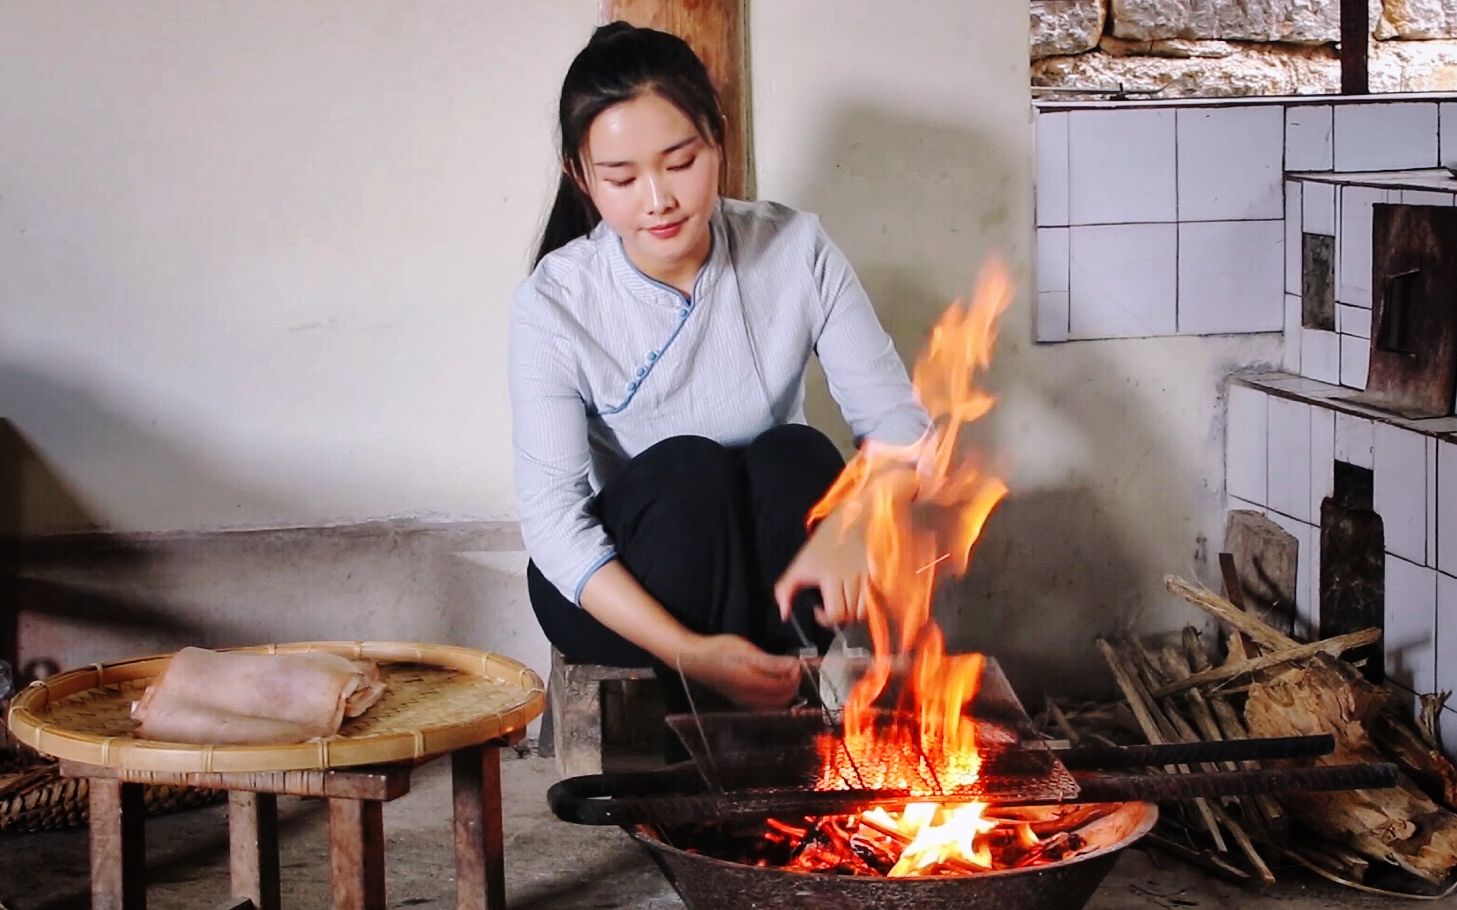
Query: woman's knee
(682, 475)
(794, 446)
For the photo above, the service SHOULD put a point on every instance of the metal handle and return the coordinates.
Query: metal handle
(1394, 334)
(592, 799)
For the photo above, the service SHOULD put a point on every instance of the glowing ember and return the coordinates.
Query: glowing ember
(921, 510)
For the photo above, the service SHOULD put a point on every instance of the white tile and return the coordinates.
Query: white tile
(1052, 316)
(1449, 132)
(1401, 491)
(1426, 197)
(1052, 260)
(1355, 440)
(1294, 264)
(1231, 160)
(1308, 145)
(1322, 459)
(1320, 355)
(1288, 466)
(1410, 633)
(1123, 280)
(1307, 540)
(1352, 320)
(1246, 444)
(1431, 510)
(1318, 205)
(1355, 359)
(1447, 639)
(1386, 135)
(1447, 508)
(1229, 277)
(1121, 167)
(1353, 260)
(1290, 346)
(1051, 178)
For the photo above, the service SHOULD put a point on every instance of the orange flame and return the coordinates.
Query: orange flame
(921, 509)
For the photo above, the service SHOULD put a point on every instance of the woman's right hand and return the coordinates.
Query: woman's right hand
(741, 671)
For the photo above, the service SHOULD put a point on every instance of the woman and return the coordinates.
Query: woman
(663, 468)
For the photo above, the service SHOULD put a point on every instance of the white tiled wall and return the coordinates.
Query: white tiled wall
(1218, 173)
(1447, 510)
(1309, 136)
(1411, 624)
(1214, 299)
(1385, 136)
(1279, 460)
(1401, 492)
(1122, 280)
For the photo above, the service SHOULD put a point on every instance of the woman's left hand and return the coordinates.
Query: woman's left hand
(835, 561)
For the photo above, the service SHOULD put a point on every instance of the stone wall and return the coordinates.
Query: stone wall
(1205, 48)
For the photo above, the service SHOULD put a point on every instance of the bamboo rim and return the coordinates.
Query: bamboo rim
(501, 695)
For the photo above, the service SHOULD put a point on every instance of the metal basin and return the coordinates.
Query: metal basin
(706, 883)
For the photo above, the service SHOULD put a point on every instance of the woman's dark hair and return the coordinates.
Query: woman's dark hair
(618, 64)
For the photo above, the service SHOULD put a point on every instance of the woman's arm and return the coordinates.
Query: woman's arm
(728, 663)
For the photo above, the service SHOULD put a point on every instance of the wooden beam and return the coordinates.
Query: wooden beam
(715, 30)
(1355, 47)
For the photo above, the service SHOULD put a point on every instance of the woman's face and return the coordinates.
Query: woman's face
(654, 179)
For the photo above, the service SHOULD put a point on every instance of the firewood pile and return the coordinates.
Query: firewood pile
(1268, 684)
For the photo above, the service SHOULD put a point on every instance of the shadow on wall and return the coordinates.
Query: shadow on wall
(1056, 566)
(82, 594)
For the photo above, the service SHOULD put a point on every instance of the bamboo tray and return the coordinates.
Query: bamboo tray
(438, 698)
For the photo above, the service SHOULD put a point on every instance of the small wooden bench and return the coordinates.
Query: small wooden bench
(575, 692)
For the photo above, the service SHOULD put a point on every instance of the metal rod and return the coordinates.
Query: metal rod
(1085, 758)
(717, 781)
(692, 807)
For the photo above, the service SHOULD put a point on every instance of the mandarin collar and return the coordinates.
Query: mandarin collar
(650, 289)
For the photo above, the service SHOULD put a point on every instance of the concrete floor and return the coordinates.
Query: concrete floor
(550, 865)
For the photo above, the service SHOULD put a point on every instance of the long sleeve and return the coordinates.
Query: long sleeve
(866, 376)
(552, 458)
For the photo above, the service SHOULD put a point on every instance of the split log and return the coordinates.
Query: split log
(1416, 757)
(1400, 825)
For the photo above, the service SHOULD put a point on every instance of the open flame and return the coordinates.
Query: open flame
(921, 509)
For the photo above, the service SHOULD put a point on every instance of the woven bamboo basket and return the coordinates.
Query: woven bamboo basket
(438, 698)
(35, 797)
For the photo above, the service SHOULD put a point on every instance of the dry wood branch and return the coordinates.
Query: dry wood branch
(1205, 859)
(1261, 633)
(1246, 846)
(1153, 725)
(1332, 646)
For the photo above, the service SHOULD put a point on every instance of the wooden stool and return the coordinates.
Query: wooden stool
(576, 711)
(356, 830)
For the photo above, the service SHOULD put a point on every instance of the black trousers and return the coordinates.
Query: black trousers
(707, 530)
